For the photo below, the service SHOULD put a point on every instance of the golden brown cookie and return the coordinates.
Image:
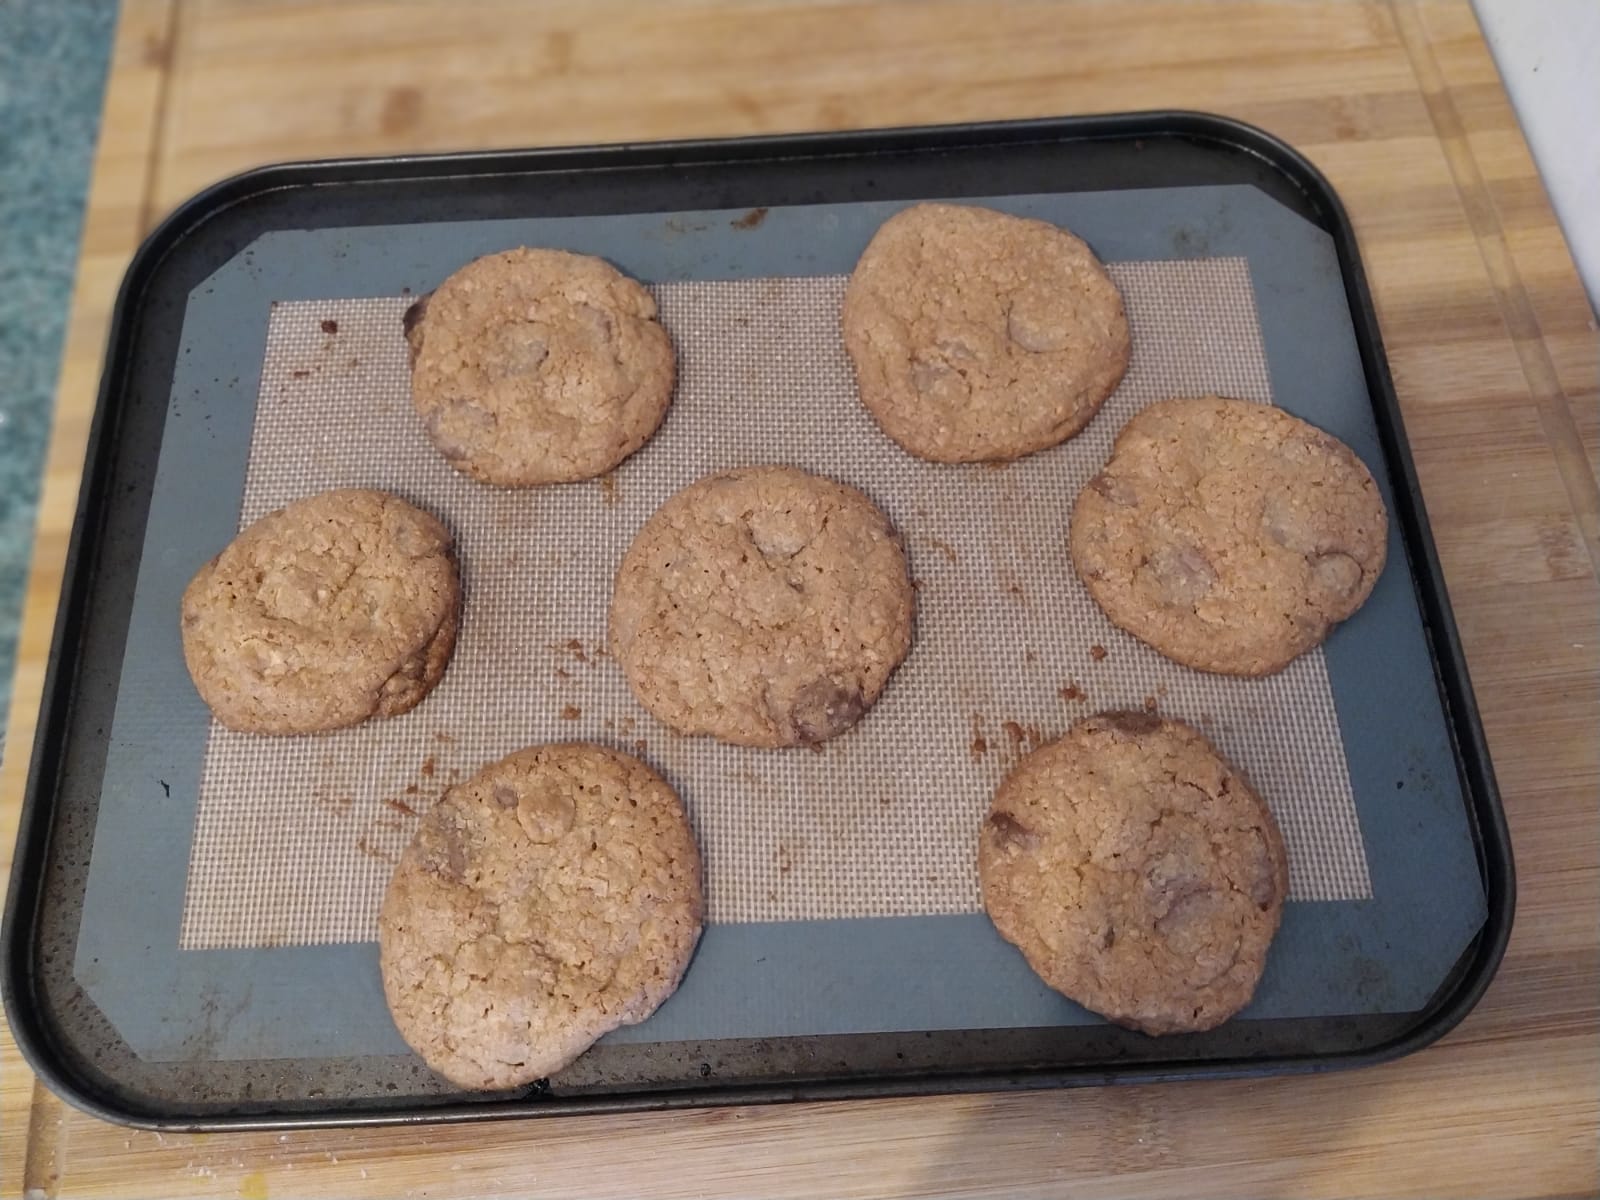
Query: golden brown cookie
(539, 366)
(764, 606)
(336, 608)
(549, 899)
(1229, 535)
(1136, 871)
(978, 335)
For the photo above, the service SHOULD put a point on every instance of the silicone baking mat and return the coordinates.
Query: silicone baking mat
(296, 836)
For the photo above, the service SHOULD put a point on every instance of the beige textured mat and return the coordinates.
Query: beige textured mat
(295, 838)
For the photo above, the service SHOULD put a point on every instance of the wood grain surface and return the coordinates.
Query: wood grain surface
(1493, 349)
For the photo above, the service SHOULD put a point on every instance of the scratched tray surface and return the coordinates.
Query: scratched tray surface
(226, 927)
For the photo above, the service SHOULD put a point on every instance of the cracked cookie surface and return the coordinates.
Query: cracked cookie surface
(1229, 535)
(547, 900)
(336, 608)
(977, 335)
(1137, 872)
(538, 366)
(763, 606)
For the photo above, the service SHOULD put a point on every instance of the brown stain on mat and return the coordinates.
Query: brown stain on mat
(1097, 652)
(570, 712)
(338, 805)
(574, 649)
(980, 744)
(750, 220)
(1072, 693)
(1022, 737)
(371, 851)
(330, 326)
(400, 806)
(943, 547)
(429, 766)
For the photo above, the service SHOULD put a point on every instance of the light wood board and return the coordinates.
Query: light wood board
(1493, 350)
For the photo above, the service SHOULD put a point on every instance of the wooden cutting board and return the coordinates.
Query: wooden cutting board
(1493, 349)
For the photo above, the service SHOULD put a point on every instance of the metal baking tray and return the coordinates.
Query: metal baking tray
(1182, 185)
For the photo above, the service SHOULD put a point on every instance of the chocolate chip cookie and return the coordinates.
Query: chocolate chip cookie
(1228, 535)
(979, 335)
(549, 899)
(1136, 871)
(539, 366)
(763, 606)
(334, 609)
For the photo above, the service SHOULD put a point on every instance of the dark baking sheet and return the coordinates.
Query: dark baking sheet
(81, 1053)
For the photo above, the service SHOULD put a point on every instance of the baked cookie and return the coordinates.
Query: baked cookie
(336, 608)
(547, 900)
(764, 606)
(1136, 871)
(1228, 535)
(978, 335)
(538, 366)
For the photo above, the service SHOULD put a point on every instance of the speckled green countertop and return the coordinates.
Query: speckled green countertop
(53, 59)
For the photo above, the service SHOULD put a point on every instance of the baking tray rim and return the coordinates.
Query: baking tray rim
(1460, 992)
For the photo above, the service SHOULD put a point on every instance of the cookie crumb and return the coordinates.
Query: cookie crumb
(400, 806)
(1149, 704)
(608, 489)
(1097, 652)
(980, 746)
(571, 712)
(1014, 732)
(428, 767)
(1071, 692)
(300, 374)
(640, 745)
(412, 789)
(330, 326)
(574, 645)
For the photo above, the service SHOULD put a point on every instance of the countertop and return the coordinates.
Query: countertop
(1493, 350)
